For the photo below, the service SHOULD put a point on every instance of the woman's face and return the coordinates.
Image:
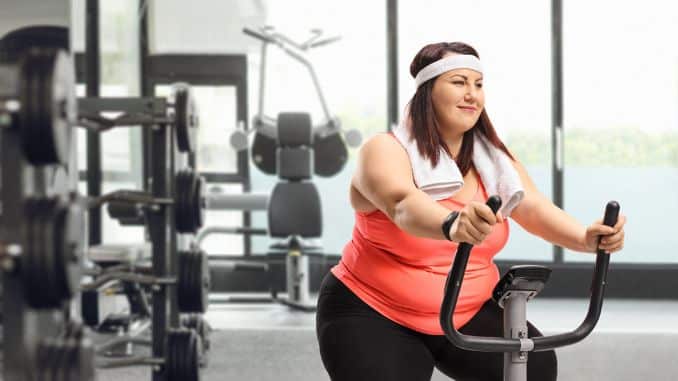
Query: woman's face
(458, 99)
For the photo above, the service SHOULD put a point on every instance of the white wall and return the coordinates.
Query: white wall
(19, 13)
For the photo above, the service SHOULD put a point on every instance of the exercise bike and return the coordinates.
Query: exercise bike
(519, 285)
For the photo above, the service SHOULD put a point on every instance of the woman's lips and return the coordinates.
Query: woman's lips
(467, 109)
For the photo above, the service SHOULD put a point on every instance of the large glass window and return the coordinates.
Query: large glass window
(516, 58)
(621, 128)
(120, 147)
(353, 80)
(350, 71)
(217, 115)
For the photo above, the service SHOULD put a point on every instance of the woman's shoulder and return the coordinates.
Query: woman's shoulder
(383, 141)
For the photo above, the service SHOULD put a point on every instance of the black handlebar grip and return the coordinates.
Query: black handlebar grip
(610, 218)
(494, 203)
(611, 213)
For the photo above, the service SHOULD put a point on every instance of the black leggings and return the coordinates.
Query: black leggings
(357, 343)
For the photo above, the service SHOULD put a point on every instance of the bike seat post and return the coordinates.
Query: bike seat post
(518, 286)
(515, 327)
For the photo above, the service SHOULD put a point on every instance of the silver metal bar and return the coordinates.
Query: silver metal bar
(244, 201)
(127, 362)
(128, 277)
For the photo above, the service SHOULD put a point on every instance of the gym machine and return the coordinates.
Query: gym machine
(518, 286)
(330, 139)
(292, 148)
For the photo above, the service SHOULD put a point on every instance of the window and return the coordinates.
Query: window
(620, 124)
(120, 147)
(217, 115)
(517, 80)
(354, 90)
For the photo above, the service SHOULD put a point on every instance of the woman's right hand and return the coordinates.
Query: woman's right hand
(474, 223)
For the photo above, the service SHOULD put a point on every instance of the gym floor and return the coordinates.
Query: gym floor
(634, 340)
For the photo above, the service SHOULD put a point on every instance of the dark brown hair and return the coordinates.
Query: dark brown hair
(425, 129)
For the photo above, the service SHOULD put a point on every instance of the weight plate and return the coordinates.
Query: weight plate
(71, 248)
(192, 371)
(48, 106)
(264, 153)
(181, 191)
(182, 356)
(183, 288)
(37, 263)
(330, 154)
(189, 201)
(205, 280)
(185, 117)
(30, 101)
(51, 264)
(193, 281)
(197, 323)
(198, 202)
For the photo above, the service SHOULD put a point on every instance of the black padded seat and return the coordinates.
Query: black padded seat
(294, 210)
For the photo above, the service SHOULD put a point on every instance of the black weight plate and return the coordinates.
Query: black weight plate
(44, 144)
(61, 251)
(182, 213)
(31, 270)
(38, 137)
(74, 225)
(52, 264)
(264, 153)
(197, 323)
(197, 304)
(193, 282)
(49, 106)
(193, 357)
(178, 193)
(190, 204)
(186, 120)
(183, 344)
(205, 280)
(198, 294)
(196, 202)
(170, 357)
(330, 154)
(183, 282)
(37, 269)
(30, 102)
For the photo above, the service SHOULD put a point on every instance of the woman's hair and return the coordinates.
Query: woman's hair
(425, 129)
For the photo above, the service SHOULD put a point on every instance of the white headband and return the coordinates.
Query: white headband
(457, 61)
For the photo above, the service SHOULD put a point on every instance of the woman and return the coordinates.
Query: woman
(378, 309)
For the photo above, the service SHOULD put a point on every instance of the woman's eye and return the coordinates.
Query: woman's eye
(458, 82)
(480, 85)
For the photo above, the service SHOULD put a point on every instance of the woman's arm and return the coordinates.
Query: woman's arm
(384, 177)
(539, 216)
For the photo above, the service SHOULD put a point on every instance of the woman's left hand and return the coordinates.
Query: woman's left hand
(611, 238)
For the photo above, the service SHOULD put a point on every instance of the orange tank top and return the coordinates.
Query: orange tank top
(403, 276)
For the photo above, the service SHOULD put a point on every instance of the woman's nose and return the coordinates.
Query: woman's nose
(470, 95)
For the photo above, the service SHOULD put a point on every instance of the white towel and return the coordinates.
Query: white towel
(493, 165)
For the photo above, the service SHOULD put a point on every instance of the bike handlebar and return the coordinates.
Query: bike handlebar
(500, 344)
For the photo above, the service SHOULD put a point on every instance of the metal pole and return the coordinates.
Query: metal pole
(557, 142)
(515, 327)
(392, 62)
(92, 72)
